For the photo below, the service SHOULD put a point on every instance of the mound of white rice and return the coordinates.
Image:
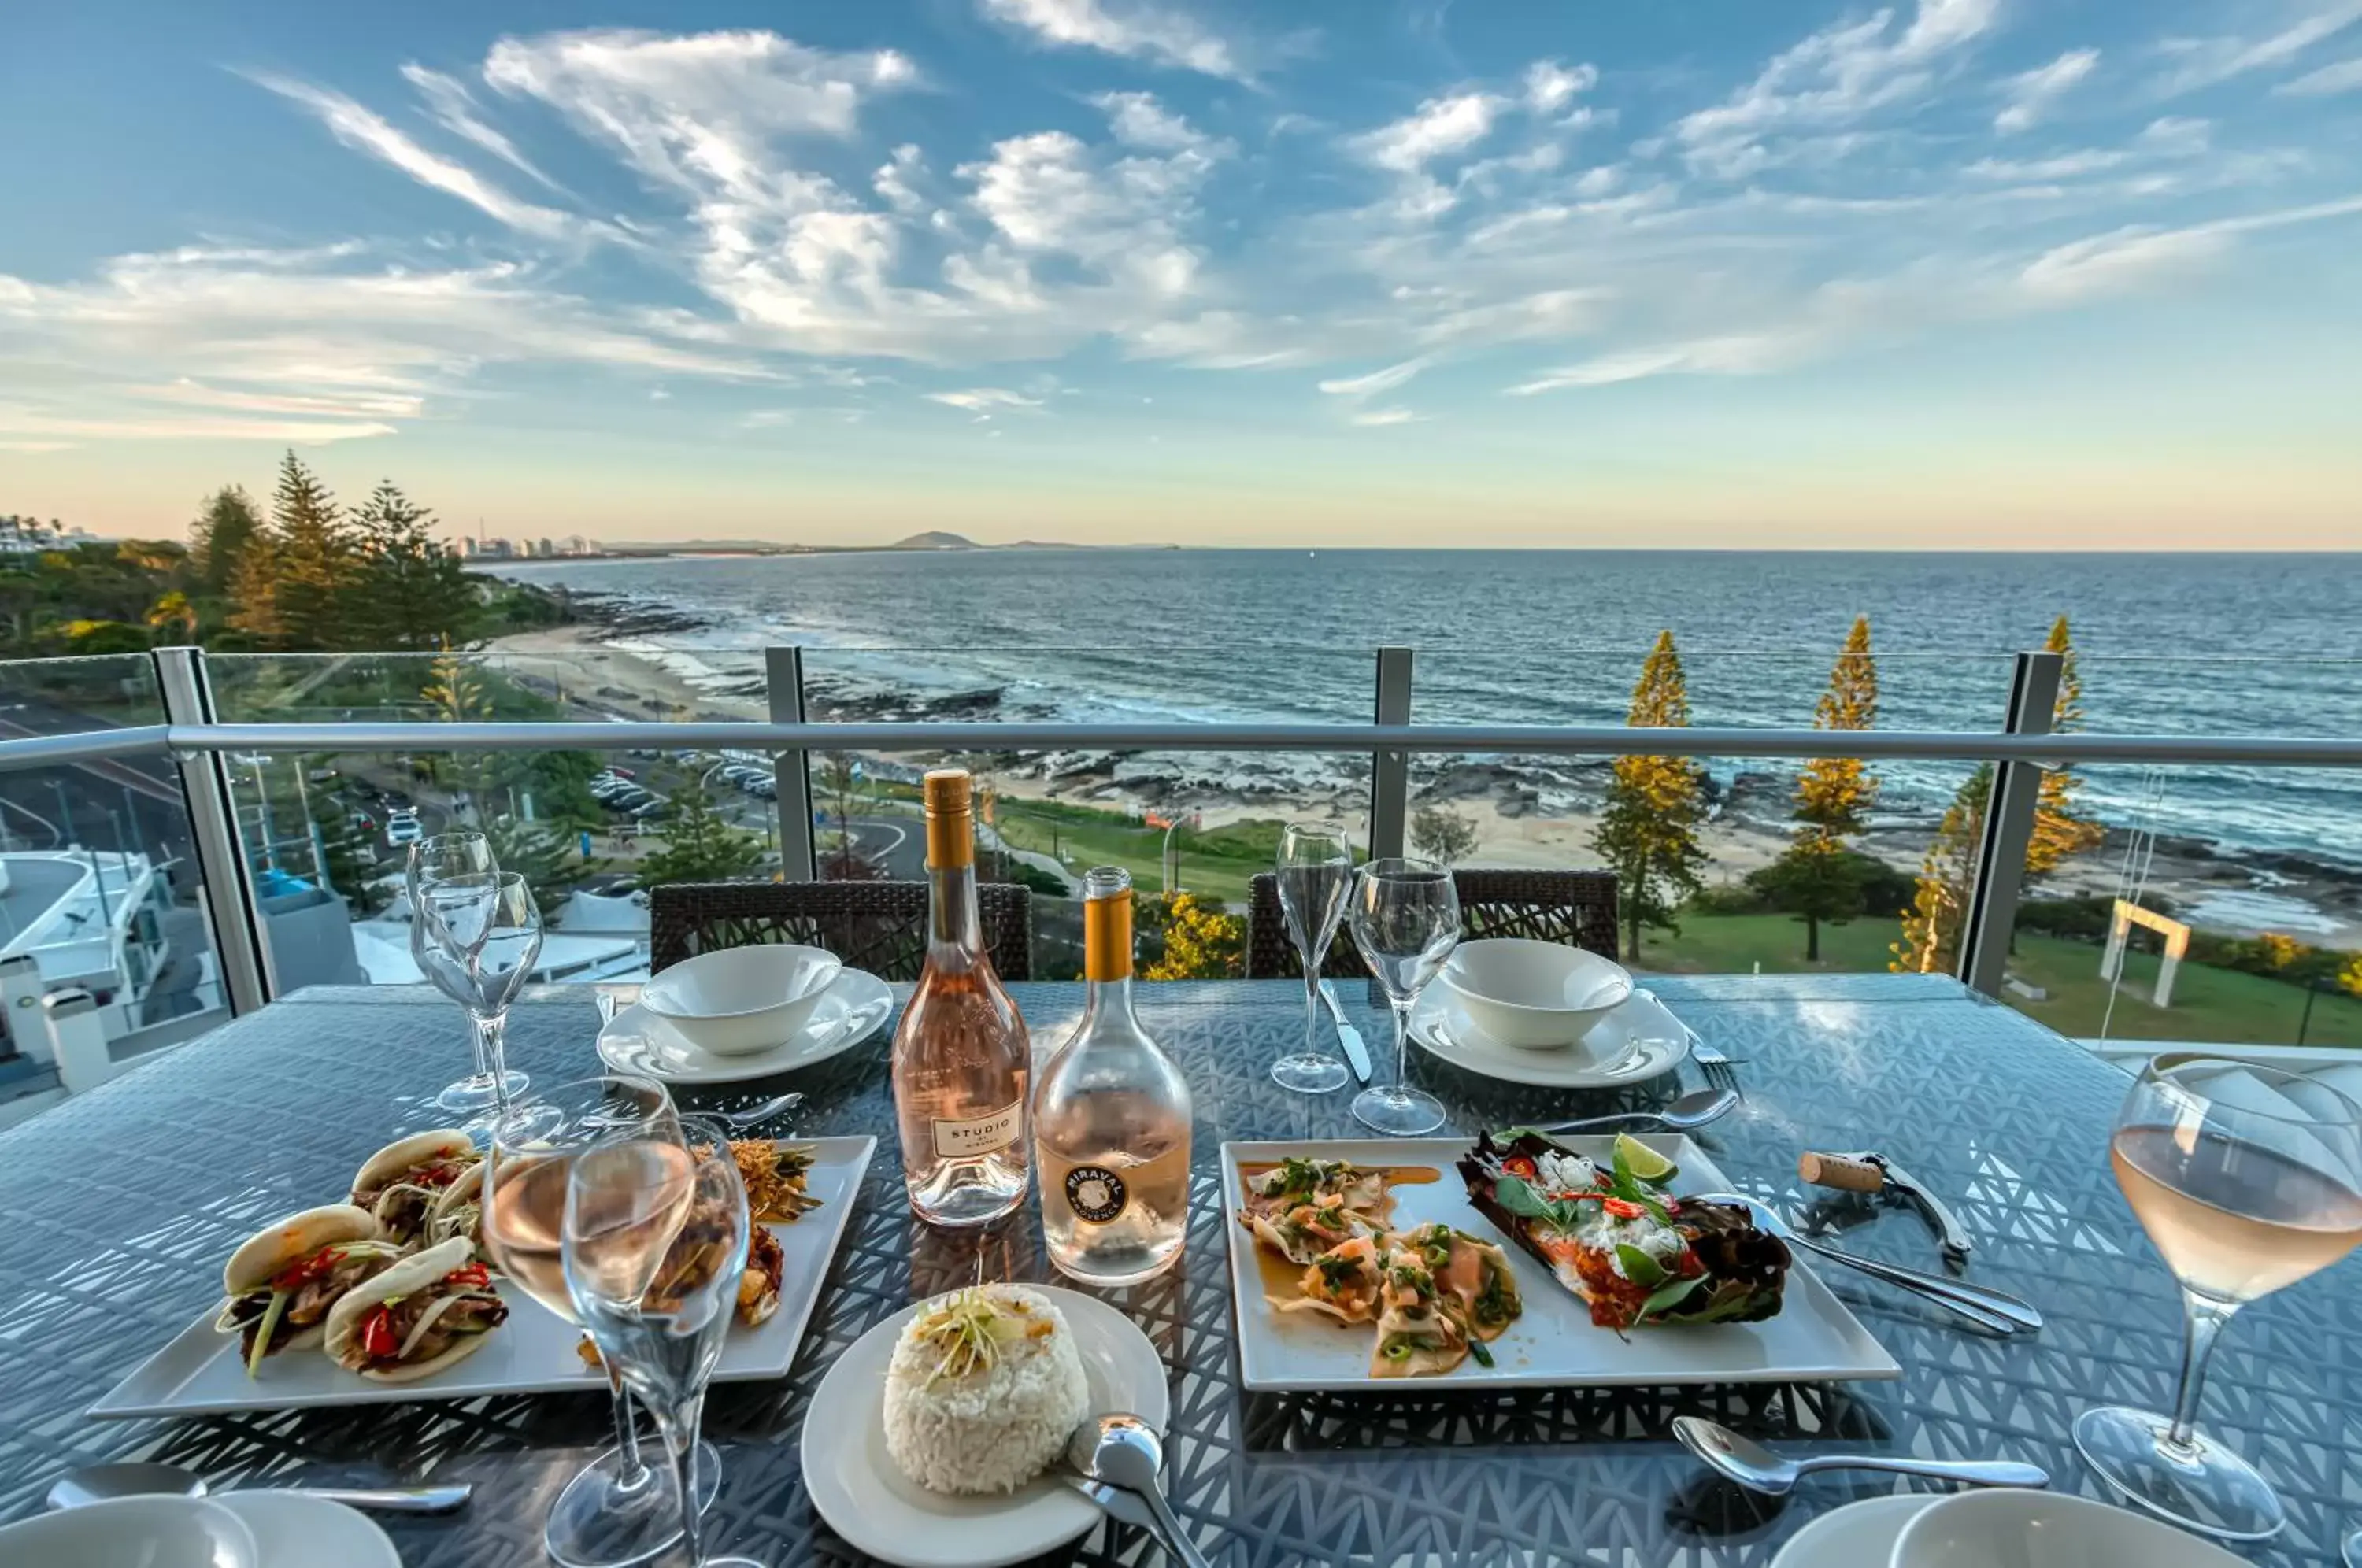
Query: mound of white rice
(983, 1391)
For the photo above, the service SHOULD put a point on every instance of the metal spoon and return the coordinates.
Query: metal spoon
(755, 1115)
(1759, 1469)
(103, 1483)
(1694, 1108)
(1979, 1303)
(1121, 1449)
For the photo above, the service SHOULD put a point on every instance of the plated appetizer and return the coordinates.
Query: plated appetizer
(774, 1175)
(281, 1283)
(403, 1182)
(414, 1319)
(1615, 1237)
(1303, 1209)
(983, 1389)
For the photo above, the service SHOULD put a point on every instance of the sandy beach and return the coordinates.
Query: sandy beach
(598, 670)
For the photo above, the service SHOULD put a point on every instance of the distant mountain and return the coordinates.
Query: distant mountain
(934, 539)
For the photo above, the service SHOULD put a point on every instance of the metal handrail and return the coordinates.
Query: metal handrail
(1497, 739)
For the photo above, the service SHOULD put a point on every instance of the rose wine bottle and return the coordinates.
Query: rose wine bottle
(1112, 1118)
(962, 1060)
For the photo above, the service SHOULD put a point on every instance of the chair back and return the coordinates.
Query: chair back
(877, 926)
(1574, 906)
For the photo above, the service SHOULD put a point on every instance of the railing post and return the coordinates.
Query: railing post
(1991, 913)
(1390, 770)
(783, 678)
(227, 883)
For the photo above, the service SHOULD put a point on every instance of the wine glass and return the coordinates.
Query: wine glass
(437, 858)
(616, 1510)
(2246, 1179)
(1405, 915)
(1316, 872)
(654, 1245)
(484, 933)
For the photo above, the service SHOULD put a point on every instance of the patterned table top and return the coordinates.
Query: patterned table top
(119, 1204)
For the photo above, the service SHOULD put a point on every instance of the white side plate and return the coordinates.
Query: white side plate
(200, 1371)
(1554, 1342)
(1632, 1044)
(637, 1041)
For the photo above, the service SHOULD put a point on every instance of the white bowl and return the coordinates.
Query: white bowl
(1536, 996)
(738, 1000)
(2012, 1527)
(153, 1533)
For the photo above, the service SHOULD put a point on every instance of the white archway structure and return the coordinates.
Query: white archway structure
(2120, 927)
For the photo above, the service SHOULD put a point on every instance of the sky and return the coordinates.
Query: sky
(1951, 274)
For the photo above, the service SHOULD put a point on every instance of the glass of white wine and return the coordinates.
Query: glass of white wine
(2246, 1179)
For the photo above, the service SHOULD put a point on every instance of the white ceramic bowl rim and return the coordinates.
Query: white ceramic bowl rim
(1614, 990)
(658, 998)
(2010, 1507)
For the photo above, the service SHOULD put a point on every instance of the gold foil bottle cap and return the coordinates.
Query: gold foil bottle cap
(1107, 923)
(948, 790)
(950, 833)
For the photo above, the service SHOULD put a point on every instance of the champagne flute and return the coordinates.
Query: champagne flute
(616, 1510)
(1405, 915)
(440, 857)
(487, 924)
(654, 1243)
(1316, 872)
(2246, 1179)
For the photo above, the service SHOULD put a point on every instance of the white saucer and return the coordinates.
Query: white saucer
(1860, 1535)
(291, 1530)
(637, 1041)
(865, 1499)
(1635, 1042)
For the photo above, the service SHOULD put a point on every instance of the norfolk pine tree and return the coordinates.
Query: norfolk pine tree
(1647, 828)
(2058, 833)
(218, 538)
(1814, 879)
(314, 568)
(410, 592)
(700, 845)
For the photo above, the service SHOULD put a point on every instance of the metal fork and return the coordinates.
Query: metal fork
(1717, 1069)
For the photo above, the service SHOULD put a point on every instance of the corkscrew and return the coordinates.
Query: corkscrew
(1871, 1174)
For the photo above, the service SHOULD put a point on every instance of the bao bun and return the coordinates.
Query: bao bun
(293, 1240)
(419, 1149)
(412, 1272)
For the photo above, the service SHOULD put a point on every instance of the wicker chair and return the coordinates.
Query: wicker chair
(877, 926)
(1577, 907)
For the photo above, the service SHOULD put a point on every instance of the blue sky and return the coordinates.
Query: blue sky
(1957, 273)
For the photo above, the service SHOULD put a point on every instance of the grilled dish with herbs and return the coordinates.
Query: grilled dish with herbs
(1342, 1283)
(282, 1282)
(1617, 1238)
(428, 1311)
(1416, 1337)
(402, 1183)
(1302, 1209)
(774, 1175)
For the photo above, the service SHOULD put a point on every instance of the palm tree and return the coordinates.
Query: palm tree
(174, 610)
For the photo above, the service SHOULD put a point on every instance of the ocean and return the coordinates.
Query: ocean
(2188, 643)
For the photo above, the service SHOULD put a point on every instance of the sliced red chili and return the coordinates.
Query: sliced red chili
(295, 1277)
(474, 1274)
(377, 1334)
(1519, 1166)
(1622, 1209)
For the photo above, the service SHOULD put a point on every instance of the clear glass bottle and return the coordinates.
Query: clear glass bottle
(1112, 1118)
(962, 1060)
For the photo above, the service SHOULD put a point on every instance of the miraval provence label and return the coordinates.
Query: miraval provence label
(982, 1135)
(1096, 1193)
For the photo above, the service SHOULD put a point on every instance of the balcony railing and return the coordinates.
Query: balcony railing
(201, 748)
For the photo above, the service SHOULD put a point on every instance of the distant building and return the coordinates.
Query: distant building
(30, 535)
(88, 918)
(544, 548)
(576, 545)
(486, 549)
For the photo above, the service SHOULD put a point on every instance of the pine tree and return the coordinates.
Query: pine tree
(254, 592)
(1931, 926)
(2059, 832)
(1441, 835)
(700, 845)
(411, 591)
(314, 569)
(218, 538)
(1647, 828)
(1814, 879)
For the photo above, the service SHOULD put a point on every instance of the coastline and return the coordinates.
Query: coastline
(615, 664)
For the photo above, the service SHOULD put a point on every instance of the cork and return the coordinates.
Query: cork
(1106, 924)
(949, 796)
(1836, 1171)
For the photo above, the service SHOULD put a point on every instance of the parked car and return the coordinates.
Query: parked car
(655, 811)
(401, 829)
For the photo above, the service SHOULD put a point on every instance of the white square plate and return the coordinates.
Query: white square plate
(1553, 1343)
(200, 1371)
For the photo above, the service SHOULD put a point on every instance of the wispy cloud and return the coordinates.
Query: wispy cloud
(985, 401)
(2031, 93)
(1157, 34)
(1377, 381)
(1551, 86)
(1379, 417)
(2345, 76)
(1437, 128)
(2202, 62)
(367, 131)
(454, 108)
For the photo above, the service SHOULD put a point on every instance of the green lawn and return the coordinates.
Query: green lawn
(1218, 862)
(2211, 1004)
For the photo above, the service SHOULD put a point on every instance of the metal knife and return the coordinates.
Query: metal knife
(1124, 1508)
(1357, 1055)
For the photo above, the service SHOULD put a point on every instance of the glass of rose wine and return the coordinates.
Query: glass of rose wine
(2246, 1179)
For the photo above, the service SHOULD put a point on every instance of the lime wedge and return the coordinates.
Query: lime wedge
(1644, 1163)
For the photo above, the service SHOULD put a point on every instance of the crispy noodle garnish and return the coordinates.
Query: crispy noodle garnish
(970, 1329)
(774, 1175)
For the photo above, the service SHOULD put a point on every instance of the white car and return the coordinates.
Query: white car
(401, 828)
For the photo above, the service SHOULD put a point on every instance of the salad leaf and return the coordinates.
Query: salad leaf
(1670, 1296)
(1520, 1198)
(1639, 1267)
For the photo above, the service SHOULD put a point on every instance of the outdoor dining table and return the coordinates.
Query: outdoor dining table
(120, 1204)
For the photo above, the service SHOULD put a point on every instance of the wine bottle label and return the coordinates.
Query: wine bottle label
(980, 1135)
(1096, 1193)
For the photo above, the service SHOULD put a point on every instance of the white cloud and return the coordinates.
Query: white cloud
(2063, 166)
(1384, 416)
(454, 108)
(367, 131)
(1139, 120)
(1136, 31)
(2112, 263)
(2202, 62)
(2345, 76)
(1551, 86)
(1376, 381)
(1438, 129)
(2175, 136)
(1745, 354)
(1833, 79)
(2032, 93)
(984, 402)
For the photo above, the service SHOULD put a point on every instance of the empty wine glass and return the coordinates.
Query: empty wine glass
(482, 936)
(1316, 872)
(654, 1245)
(617, 1509)
(2246, 1179)
(438, 858)
(1405, 915)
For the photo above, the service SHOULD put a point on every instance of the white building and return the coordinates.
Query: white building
(87, 919)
